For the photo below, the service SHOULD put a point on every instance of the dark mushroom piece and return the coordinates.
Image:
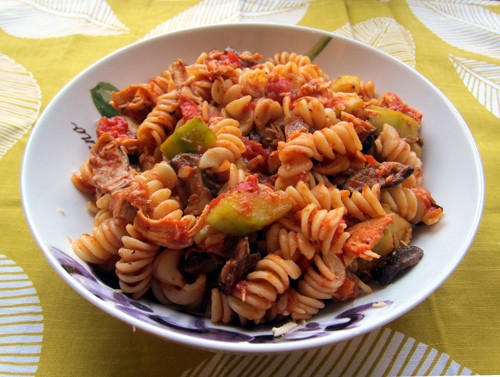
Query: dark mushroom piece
(238, 266)
(395, 263)
(198, 195)
(386, 174)
(200, 263)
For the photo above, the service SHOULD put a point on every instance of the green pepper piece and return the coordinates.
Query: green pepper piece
(239, 213)
(193, 137)
(346, 83)
(406, 126)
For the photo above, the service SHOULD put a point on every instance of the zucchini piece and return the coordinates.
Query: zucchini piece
(346, 83)
(407, 127)
(386, 243)
(193, 137)
(239, 213)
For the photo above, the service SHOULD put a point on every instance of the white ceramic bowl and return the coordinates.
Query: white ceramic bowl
(56, 211)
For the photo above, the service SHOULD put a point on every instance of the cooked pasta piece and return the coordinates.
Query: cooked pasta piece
(334, 144)
(415, 204)
(103, 243)
(324, 227)
(322, 279)
(261, 287)
(312, 111)
(220, 310)
(391, 147)
(285, 57)
(298, 306)
(288, 244)
(163, 83)
(104, 206)
(84, 178)
(236, 176)
(364, 204)
(135, 267)
(174, 285)
(266, 111)
(227, 149)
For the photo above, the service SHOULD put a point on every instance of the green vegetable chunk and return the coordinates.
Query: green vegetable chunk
(240, 212)
(348, 102)
(399, 229)
(346, 83)
(406, 126)
(385, 245)
(193, 137)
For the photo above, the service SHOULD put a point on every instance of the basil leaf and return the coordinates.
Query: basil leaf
(101, 95)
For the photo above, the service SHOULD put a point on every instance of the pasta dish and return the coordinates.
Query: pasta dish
(253, 190)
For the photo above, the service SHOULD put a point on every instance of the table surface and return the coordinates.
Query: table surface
(44, 45)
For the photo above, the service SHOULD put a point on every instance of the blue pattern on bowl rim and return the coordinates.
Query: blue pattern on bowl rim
(198, 326)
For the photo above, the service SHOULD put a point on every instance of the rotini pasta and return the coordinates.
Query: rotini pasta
(174, 286)
(415, 204)
(103, 243)
(135, 267)
(391, 147)
(84, 180)
(323, 278)
(298, 306)
(228, 144)
(325, 227)
(259, 290)
(289, 244)
(251, 191)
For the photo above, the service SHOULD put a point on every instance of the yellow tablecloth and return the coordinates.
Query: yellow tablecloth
(456, 44)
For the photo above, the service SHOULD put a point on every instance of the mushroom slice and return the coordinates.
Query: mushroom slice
(399, 260)
(387, 174)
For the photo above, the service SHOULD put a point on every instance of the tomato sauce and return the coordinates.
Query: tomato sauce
(277, 89)
(393, 102)
(116, 126)
(189, 108)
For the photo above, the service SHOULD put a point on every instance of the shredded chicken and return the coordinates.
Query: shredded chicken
(110, 165)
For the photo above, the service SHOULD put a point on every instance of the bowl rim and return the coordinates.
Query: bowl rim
(242, 348)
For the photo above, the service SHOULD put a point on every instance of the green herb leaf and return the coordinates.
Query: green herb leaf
(101, 95)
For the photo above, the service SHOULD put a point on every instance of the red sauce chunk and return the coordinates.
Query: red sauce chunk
(224, 58)
(277, 89)
(189, 108)
(116, 127)
(255, 154)
(230, 57)
(393, 102)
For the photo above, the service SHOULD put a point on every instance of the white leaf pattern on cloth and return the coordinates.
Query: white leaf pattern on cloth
(466, 25)
(51, 19)
(382, 352)
(19, 102)
(21, 323)
(385, 34)
(209, 12)
(482, 79)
